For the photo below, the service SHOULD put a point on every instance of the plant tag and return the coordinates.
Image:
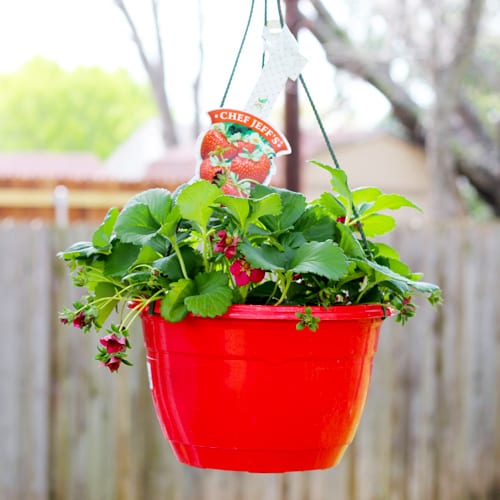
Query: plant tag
(240, 147)
(284, 61)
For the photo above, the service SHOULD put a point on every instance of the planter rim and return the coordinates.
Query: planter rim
(269, 312)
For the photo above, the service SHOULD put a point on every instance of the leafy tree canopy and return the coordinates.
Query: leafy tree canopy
(44, 107)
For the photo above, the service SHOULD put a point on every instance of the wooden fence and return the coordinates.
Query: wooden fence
(69, 430)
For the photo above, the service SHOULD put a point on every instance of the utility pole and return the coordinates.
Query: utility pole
(292, 129)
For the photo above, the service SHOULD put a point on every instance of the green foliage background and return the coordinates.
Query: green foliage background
(44, 107)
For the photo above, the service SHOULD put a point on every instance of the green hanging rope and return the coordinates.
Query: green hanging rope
(311, 102)
(336, 162)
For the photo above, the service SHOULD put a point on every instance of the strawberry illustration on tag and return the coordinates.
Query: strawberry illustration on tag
(239, 149)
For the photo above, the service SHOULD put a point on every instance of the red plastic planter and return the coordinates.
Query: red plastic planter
(247, 391)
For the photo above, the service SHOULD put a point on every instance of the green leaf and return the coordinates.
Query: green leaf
(81, 250)
(322, 258)
(314, 225)
(105, 290)
(265, 257)
(333, 206)
(239, 208)
(390, 202)
(385, 250)
(147, 255)
(292, 206)
(195, 202)
(267, 205)
(102, 236)
(338, 180)
(170, 266)
(213, 295)
(349, 243)
(136, 225)
(158, 200)
(378, 224)
(172, 306)
(121, 259)
(420, 286)
(365, 194)
(170, 223)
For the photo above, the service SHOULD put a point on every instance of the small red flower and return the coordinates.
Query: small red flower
(113, 363)
(341, 219)
(226, 244)
(243, 273)
(79, 321)
(113, 344)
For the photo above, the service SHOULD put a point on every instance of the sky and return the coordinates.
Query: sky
(94, 32)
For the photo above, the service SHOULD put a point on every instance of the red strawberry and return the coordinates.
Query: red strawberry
(245, 147)
(253, 166)
(209, 169)
(215, 143)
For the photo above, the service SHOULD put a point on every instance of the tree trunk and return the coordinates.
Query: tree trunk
(292, 129)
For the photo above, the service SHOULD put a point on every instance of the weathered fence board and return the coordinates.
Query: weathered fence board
(430, 431)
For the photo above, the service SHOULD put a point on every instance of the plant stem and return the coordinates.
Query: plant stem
(177, 251)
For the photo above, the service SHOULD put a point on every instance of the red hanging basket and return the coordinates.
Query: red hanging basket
(247, 391)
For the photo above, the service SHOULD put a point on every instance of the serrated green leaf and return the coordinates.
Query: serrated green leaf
(101, 238)
(239, 208)
(170, 223)
(104, 290)
(377, 224)
(158, 201)
(81, 250)
(322, 258)
(265, 257)
(121, 259)
(195, 201)
(147, 255)
(420, 286)
(267, 205)
(348, 242)
(136, 225)
(390, 202)
(314, 225)
(293, 206)
(213, 295)
(338, 180)
(365, 194)
(385, 250)
(333, 206)
(172, 306)
(170, 266)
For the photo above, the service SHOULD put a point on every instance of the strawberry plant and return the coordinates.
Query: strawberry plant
(199, 250)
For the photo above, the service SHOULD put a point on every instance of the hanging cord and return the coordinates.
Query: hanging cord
(311, 102)
(238, 56)
(328, 143)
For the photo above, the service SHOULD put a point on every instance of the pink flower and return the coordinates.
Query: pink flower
(113, 344)
(79, 321)
(243, 273)
(226, 244)
(113, 363)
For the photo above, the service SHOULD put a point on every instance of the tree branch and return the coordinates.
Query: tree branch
(155, 72)
(475, 150)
